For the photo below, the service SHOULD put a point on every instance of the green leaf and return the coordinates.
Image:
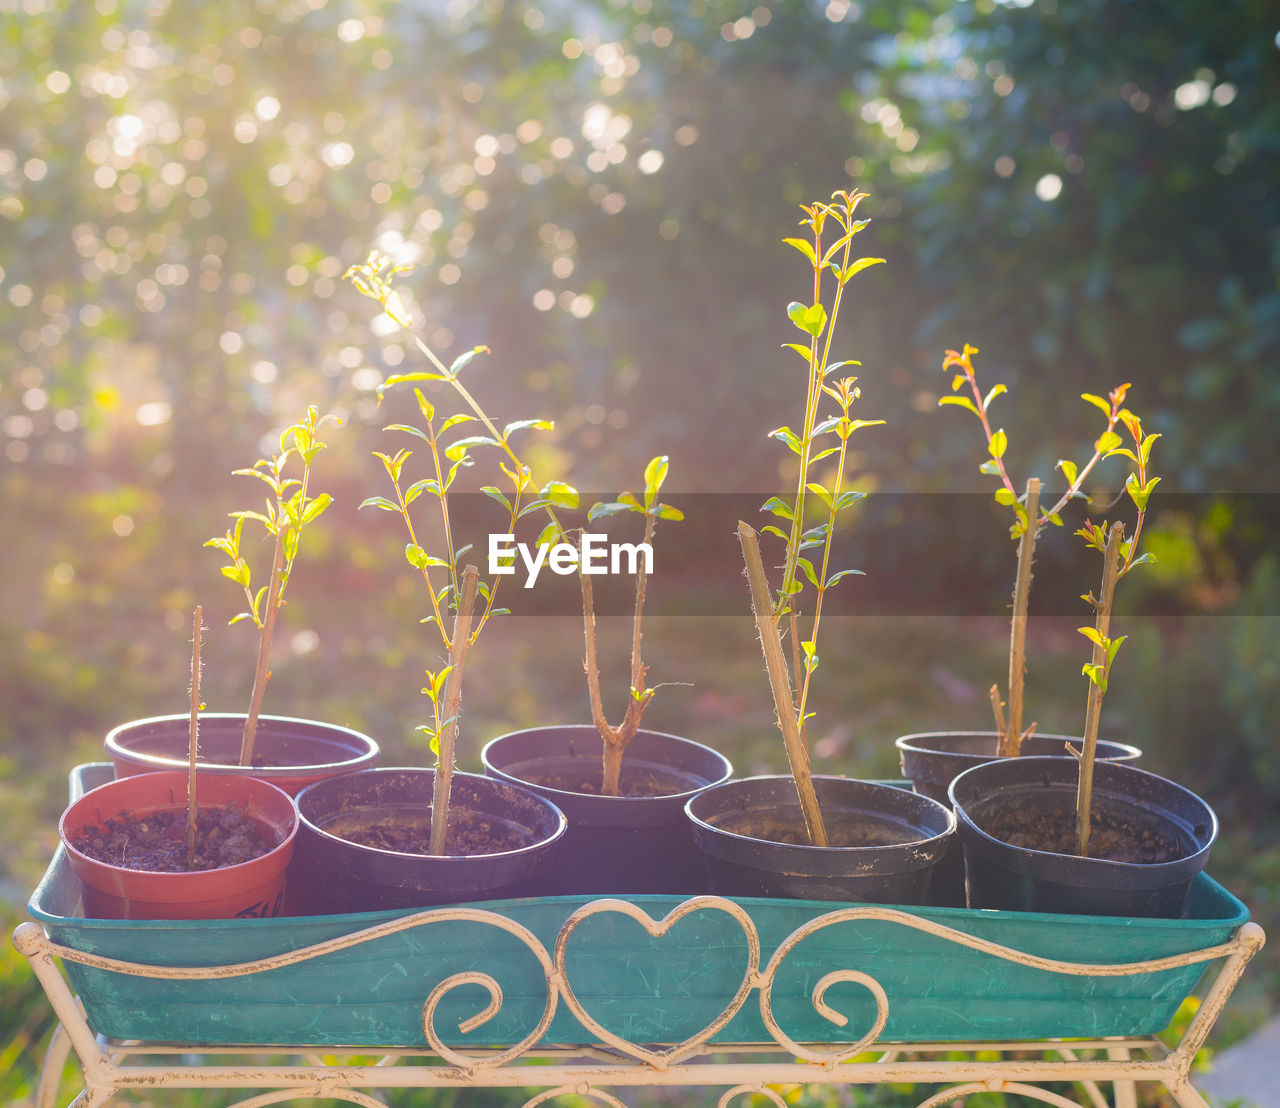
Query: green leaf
(463, 360)
(1148, 557)
(458, 449)
(1091, 633)
(1069, 470)
(655, 473)
(999, 442)
(415, 556)
(551, 534)
(1098, 403)
(990, 467)
(666, 511)
(630, 500)
(427, 484)
(1107, 442)
(821, 492)
(960, 401)
(1123, 452)
(313, 510)
(1147, 444)
(785, 434)
(454, 420)
(810, 655)
(854, 268)
(770, 529)
(408, 429)
(778, 507)
(843, 574)
(1005, 497)
(603, 510)
(379, 502)
(1113, 648)
(806, 568)
(803, 351)
(812, 319)
(996, 390)
(848, 498)
(522, 424)
(496, 494)
(560, 494)
(805, 248)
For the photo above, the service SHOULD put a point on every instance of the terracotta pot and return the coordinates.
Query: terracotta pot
(290, 753)
(614, 844)
(253, 888)
(901, 837)
(1019, 877)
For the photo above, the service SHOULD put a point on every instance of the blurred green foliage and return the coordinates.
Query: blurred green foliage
(597, 189)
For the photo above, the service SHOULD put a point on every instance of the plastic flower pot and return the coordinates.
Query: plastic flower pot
(637, 842)
(931, 760)
(886, 841)
(249, 889)
(1018, 876)
(290, 753)
(343, 875)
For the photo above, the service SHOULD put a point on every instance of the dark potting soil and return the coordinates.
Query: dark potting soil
(846, 832)
(407, 830)
(157, 841)
(1116, 835)
(634, 782)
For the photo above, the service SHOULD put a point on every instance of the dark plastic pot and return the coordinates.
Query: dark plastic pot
(1001, 875)
(253, 888)
(732, 824)
(290, 753)
(931, 760)
(614, 844)
(344, 876)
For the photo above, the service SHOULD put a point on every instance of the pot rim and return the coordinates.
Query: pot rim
(914, 743)
(1147, 868)
(668, 798)
(875, 786)
(115, 748)
(178, 875)
(442, 859)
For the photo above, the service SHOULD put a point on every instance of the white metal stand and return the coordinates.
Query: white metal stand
(610, 1061)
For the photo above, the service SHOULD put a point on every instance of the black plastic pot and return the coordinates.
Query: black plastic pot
(931, 760)
(1001, 875)
(906, 836)
(290, 753)
(614, 844)
(344, 876)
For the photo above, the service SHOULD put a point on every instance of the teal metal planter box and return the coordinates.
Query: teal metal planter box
(617, 972)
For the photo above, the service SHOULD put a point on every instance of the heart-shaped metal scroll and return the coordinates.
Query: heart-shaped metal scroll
(659, 1059)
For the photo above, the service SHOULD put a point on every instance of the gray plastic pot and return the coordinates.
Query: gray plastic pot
(1002, 875)
(904, 836)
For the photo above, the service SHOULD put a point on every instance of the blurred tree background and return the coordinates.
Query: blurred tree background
(1084, 189)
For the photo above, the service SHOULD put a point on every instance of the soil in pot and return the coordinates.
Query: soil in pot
(638, 842)
(156, 842)
(406, 828)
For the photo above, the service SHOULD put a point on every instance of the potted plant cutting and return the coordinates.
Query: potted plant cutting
(289, 752)
(930, 760)
(1071, 834)
(821, 837)
(181, 845)
(409, 837)
(627, 828)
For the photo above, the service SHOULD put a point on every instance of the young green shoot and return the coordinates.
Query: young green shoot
(823, 435)
(290, 508)
(1025, 508)
(1120, 556)
(448, 587)
(615, 739)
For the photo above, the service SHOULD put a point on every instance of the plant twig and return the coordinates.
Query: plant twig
(1011, 741)
(776, 665)
(262, 672)
(997, 710)
(1093, 709)
(452, 709)
(193, 736)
